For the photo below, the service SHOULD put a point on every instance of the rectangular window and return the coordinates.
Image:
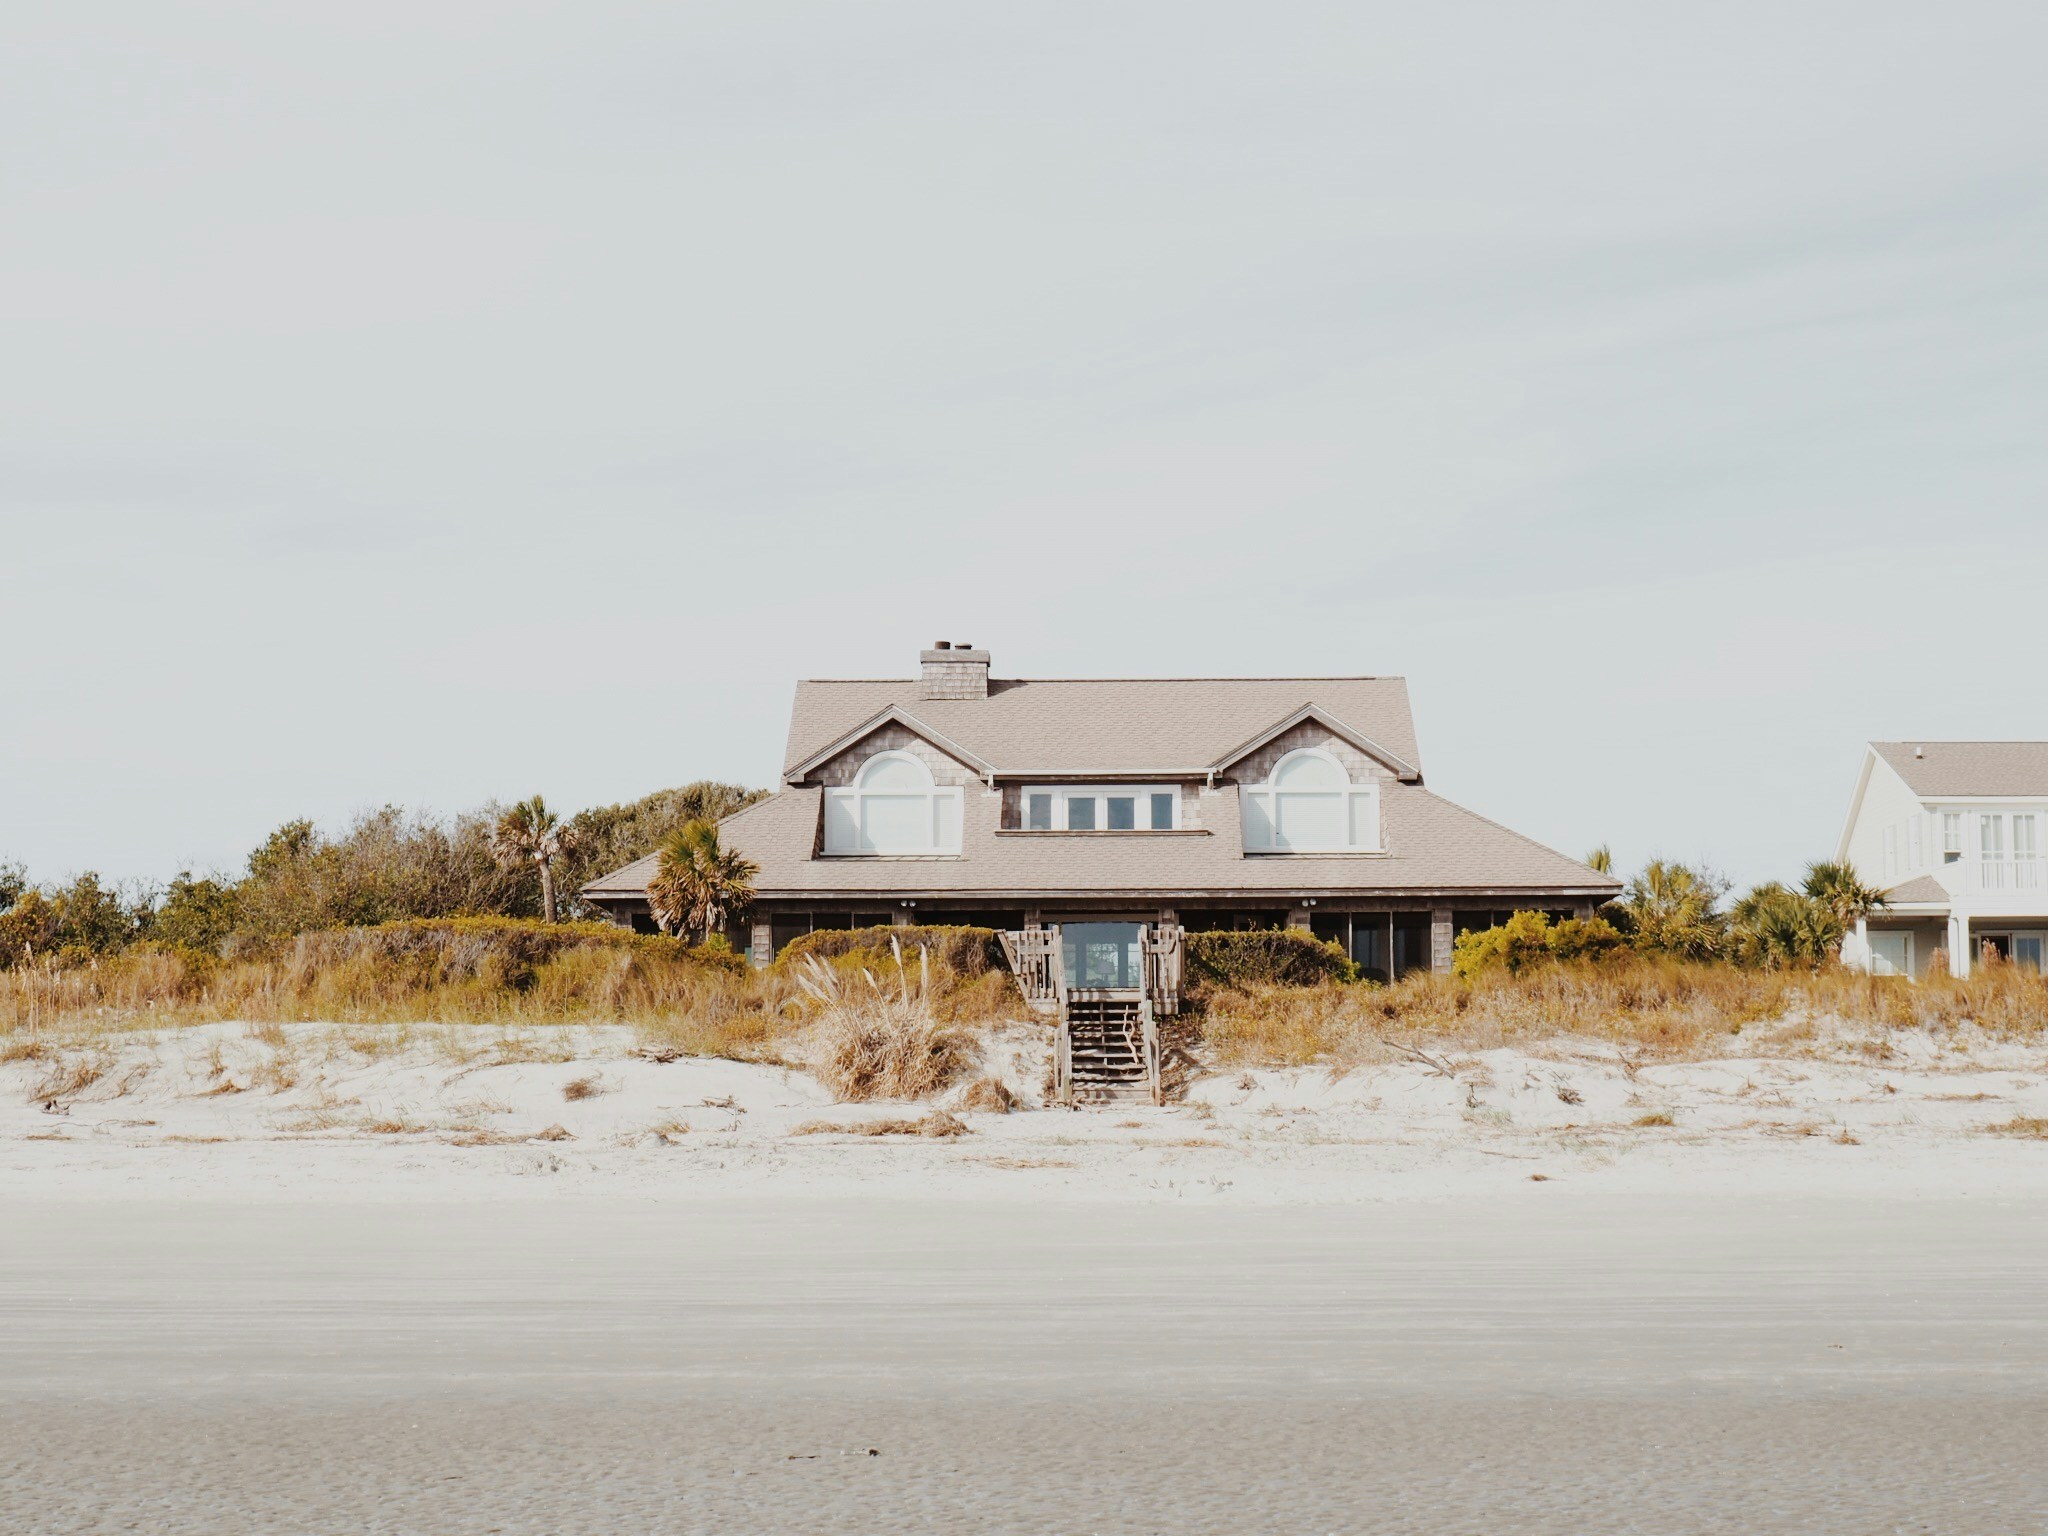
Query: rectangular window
(1951, 836)
(1891, 954)
(1991, 838)
(2023, 837)
(1096, 808)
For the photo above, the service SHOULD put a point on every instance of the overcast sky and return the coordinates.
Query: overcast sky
(427, 403)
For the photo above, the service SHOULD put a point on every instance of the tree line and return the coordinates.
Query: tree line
(389, 864)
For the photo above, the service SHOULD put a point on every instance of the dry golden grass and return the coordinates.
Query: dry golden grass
(878, 1038)
(583, 1088)
(936, 1124)
(69, 1074)
(988, 1096)
(1646, 1008)
(2031, 1127)
(1659, 1117)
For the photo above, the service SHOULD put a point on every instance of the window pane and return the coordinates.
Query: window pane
(1162, 813)
(1991, 829)
(1365, 831)
(1123, 813)
(842, 834)
(2023, 837)
(1310, 821)
(1309, 773)
(1951, 832)
(946, 822)
(1888, 954)
(1258, 821)
(895, 773)
(1039, 815)
(896, 822)
(1081, 814)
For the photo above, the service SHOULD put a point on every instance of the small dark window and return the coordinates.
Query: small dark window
(1038, 813)
(1162, 813)
(1081, 814)
(1123, 813)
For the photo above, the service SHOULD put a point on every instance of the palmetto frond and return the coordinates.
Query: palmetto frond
(697, 884)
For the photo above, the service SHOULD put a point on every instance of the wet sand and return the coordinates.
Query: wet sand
(1578, 1364)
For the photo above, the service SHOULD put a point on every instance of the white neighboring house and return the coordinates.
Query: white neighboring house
(1953, 833)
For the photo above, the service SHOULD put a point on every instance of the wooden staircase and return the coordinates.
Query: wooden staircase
(1106, 1041)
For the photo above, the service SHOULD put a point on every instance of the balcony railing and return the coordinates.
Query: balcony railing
(1993, 875)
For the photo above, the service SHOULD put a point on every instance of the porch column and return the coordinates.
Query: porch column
(1959, 957)
(1583, 911)
(761, 947)
(1298, 917)
(1863, 959)
(1440, 942)
(903, 917)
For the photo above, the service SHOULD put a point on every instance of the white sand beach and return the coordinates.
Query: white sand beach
(466, 1112)
(416, 1288)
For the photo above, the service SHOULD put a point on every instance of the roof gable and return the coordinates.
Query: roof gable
(1307, 712)
(1109, 726)
(881, 719)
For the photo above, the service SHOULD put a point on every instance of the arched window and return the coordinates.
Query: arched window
(1310, 805)
(893, 806)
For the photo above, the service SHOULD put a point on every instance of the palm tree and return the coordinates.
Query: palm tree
(1775, 926)
(1675, 909)
(1601, 859)
(1836, 887)
(697, 884)
(530, 833)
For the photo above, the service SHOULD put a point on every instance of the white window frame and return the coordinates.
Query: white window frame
(1064, 794)
(945, 805)
(1951, 836)
(1265, 797)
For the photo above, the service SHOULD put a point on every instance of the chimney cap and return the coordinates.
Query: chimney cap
(942, 645)
(1919, 751)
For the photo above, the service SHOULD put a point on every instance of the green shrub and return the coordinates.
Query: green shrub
(1288, 957)
(1530, 938)
(965, 951)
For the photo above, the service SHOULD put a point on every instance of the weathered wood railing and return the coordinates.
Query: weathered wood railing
(1164, 945)
(1034, 956)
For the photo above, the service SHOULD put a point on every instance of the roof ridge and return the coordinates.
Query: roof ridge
(1965, 741)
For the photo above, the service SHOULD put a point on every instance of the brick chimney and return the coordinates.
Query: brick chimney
(954, 670)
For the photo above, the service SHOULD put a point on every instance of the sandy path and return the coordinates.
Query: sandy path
(1586, 1363)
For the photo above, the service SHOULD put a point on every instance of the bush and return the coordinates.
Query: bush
(1530, 938)
(1290, 957)
(964, 951)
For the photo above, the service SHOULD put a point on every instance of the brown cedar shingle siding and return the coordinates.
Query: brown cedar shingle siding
(1966, 768)
(1111, 725)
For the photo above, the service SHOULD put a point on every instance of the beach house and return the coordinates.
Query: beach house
(1951, 832)
(1103, 806)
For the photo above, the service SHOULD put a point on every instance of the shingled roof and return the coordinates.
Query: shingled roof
(1941, 769)
(1091, 726)
(1431, 845)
